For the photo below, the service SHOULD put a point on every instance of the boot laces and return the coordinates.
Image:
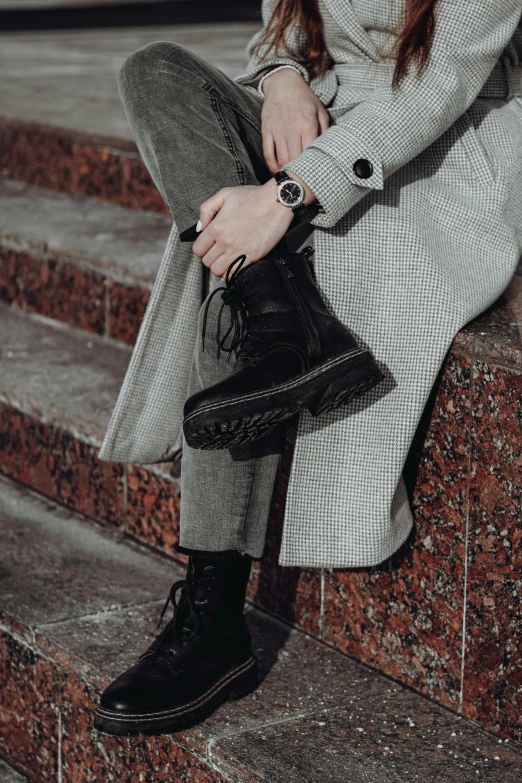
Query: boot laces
(233, 297)
(174, 629)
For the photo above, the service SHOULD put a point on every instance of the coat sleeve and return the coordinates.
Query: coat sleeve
(390, 128)
(259, 64)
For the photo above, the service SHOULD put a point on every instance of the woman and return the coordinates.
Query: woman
(401, 121)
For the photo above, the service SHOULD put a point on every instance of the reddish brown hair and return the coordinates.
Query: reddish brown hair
(413, 42)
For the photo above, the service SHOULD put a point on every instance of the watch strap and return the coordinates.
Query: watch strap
(281, 176)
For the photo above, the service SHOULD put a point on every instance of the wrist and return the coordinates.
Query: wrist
(270, 187)
(309, 195)
(280, 76)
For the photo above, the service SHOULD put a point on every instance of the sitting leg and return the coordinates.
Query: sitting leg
(196, 129)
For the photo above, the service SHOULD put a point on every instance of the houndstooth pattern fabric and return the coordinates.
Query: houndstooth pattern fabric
(406, 259)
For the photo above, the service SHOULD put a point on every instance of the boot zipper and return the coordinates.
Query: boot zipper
(312, 337)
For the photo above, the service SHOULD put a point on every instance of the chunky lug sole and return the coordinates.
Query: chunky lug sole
(249, 417)
(234, 685)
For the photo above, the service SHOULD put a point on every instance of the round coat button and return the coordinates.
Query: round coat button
(363, 168)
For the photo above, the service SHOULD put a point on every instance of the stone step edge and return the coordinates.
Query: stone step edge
(107, 304)
(70, 161)
(42, 252)
(144, 491)
(10, 774)
(72, 437)
(110, 169)
(35, 642)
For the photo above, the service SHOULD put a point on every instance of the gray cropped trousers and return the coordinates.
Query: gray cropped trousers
(198, 131)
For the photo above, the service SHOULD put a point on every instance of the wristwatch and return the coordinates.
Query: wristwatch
(289, 192)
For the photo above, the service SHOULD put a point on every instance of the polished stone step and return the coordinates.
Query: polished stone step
(440, 616)
(73, 259)
(78, 604)
(10, 775)
(62, 125)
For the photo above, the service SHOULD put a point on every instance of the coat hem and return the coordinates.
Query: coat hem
(367, 562)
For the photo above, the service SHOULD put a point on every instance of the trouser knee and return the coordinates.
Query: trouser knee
(155, 59)
(150, 64)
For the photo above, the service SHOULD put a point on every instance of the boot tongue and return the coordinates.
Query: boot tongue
(196, 593)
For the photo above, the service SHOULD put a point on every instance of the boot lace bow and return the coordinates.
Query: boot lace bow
(232, 297)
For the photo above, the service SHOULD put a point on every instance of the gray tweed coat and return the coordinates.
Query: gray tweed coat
(429, 241)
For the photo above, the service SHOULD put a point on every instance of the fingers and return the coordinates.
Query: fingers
(269, 152)
(215, 251)
(203, 244)
(220, 265)
(309, 134)
(294, 146)
(284, 144)
(282, 154)
(207, 211)
(324, 120)
(212, 205)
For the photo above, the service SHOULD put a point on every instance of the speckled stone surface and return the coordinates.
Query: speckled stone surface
(77, 261)
(30, 688)
(120, 243)
(370, 740)
(126, 309)
(54, 289)
(291, 593)
(66, 377)
(67, 162)
(317, 714)
(152, 510)
(85, 96)
(48, 551)
(493, 660)
(405, 616)
(496, 334)
(60, 465)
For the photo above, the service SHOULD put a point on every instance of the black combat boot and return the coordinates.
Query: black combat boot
(202, 657)
(292, 353)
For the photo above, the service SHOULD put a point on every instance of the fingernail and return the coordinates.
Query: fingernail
(198, 225)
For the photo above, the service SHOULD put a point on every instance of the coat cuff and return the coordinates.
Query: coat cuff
(338, 184)
(252, 77)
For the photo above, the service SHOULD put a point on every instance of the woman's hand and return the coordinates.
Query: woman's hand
(248, 221)
(291, 118)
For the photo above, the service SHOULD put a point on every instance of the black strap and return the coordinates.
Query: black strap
(281, 176)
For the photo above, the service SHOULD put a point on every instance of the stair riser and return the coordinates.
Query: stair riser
(405, 617)
(76, 295)
(68, 162)
(47, 728)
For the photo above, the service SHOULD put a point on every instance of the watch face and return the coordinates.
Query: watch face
(290, 193)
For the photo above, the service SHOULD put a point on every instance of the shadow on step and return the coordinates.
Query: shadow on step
(130, 14)
(291, 594)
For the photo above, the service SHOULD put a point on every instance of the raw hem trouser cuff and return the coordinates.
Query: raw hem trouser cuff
(224, 554)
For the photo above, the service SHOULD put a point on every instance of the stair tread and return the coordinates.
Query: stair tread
(125, 243)
(87, 598)
(85, 96)
(58, 374)
(10, 775)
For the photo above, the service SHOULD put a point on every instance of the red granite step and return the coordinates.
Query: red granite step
(57, 389)
(63, 126)
(78, 603)
(440, 616)
(70, 161)
(87, 264)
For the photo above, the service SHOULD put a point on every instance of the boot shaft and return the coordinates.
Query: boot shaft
(281, 296)
(218, 586)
